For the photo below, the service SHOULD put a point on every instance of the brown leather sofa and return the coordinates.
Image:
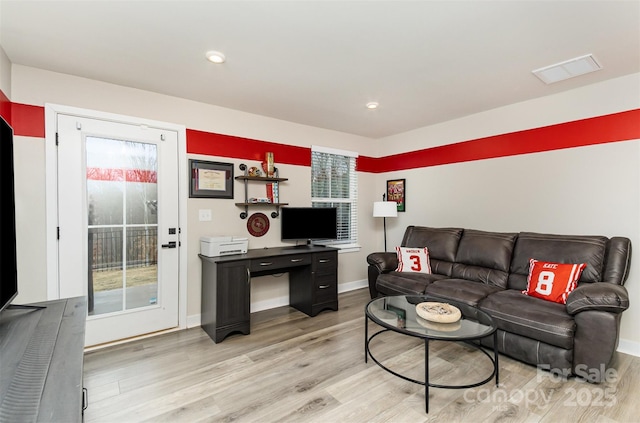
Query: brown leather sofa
(488, 270)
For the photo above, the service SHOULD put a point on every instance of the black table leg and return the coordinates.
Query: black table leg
(366, 336)
(495, 353)
(426, 375)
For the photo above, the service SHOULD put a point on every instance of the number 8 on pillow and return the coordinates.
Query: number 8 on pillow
(552, 281)
(413, 260)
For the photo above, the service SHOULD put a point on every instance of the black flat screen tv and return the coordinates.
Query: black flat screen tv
(308, 223)
(9, 278)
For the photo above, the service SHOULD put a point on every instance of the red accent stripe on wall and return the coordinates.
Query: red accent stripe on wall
(199, 142)
(598, 130)
(130, 175)
(27, 120)
(5, 107)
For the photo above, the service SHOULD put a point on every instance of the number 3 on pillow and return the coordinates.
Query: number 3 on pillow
(552, 281)
(413, 260)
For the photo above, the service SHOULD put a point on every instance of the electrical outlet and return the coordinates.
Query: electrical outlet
(205, 215)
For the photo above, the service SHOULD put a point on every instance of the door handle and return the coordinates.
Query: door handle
(171, 244)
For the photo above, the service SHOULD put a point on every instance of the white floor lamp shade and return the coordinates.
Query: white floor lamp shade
(385, 209)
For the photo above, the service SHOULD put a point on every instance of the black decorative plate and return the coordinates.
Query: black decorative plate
(258, 224)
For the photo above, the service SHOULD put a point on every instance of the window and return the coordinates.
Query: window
(334, 183)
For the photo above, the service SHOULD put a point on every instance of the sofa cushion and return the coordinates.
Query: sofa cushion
(531, 317)
(484, 257)
(560, 249)
(404, 283)
(465, 294)
(441, 242)
(412, 259)
(460, 290)
(552, 281)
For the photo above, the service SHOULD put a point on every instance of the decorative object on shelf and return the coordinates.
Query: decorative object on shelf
(272, 192)
(385, 209)
(259, 200)
(270, 164)
(210, 179)
(254, 171)
(258, 224)
(438, 312)
(397, 191)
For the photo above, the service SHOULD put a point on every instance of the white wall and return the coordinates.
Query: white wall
(37, 87)
(5, 73)
(592, 190)
(612, 96)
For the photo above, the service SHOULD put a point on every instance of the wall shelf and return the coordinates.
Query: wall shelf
(246, 178)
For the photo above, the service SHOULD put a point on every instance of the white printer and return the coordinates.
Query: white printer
(212, 246)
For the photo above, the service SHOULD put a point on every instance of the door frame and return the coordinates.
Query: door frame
(51, 194)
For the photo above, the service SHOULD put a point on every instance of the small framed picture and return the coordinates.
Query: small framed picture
(397, 191)
(210, 179)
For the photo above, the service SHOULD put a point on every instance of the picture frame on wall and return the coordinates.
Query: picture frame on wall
(210, 179)
(397, 191)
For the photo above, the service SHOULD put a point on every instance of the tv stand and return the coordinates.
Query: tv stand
(41, 361)
(226, 284)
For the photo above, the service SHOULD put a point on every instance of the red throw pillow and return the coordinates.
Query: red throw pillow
(552, 281)
(413, 260)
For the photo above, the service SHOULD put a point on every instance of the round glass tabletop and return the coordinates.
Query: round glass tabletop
(398, 313)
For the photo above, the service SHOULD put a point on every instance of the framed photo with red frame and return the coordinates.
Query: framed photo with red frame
(397, 191)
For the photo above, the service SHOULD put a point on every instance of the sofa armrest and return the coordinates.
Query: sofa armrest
(385, 262)
(379, 263)
(601, 296)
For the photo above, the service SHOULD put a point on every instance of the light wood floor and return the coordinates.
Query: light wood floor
(293, 368)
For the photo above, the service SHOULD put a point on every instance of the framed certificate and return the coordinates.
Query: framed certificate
(210, 179)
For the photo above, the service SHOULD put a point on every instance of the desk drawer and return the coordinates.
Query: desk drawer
(284, 262)
(328, 260)
(326, 289)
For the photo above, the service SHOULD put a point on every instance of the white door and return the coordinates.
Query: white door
(118, 225)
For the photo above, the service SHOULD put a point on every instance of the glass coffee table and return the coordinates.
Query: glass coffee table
(398, 314)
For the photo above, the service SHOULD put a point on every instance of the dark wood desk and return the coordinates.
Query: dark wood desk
(41, 358)
(226, 284)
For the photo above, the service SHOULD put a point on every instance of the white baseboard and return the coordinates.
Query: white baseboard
(352, 286)
(269, 304)
(629, 347)
(195, 319)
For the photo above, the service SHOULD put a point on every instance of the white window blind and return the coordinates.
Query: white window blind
(334, 183)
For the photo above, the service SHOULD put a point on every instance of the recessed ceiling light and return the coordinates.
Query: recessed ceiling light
(215, 57)
(372, 105)
(568, 69)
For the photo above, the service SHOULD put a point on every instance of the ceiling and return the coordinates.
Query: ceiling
(319, 62)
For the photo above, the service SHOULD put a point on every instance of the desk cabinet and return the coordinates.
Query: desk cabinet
(226, 285)
(226, 293)
(315, 288)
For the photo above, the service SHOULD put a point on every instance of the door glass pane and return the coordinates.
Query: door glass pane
(122, 206)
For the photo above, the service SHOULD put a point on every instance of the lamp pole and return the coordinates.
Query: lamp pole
(384, 224)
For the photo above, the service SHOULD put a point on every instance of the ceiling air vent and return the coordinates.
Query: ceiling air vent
(567, 69)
